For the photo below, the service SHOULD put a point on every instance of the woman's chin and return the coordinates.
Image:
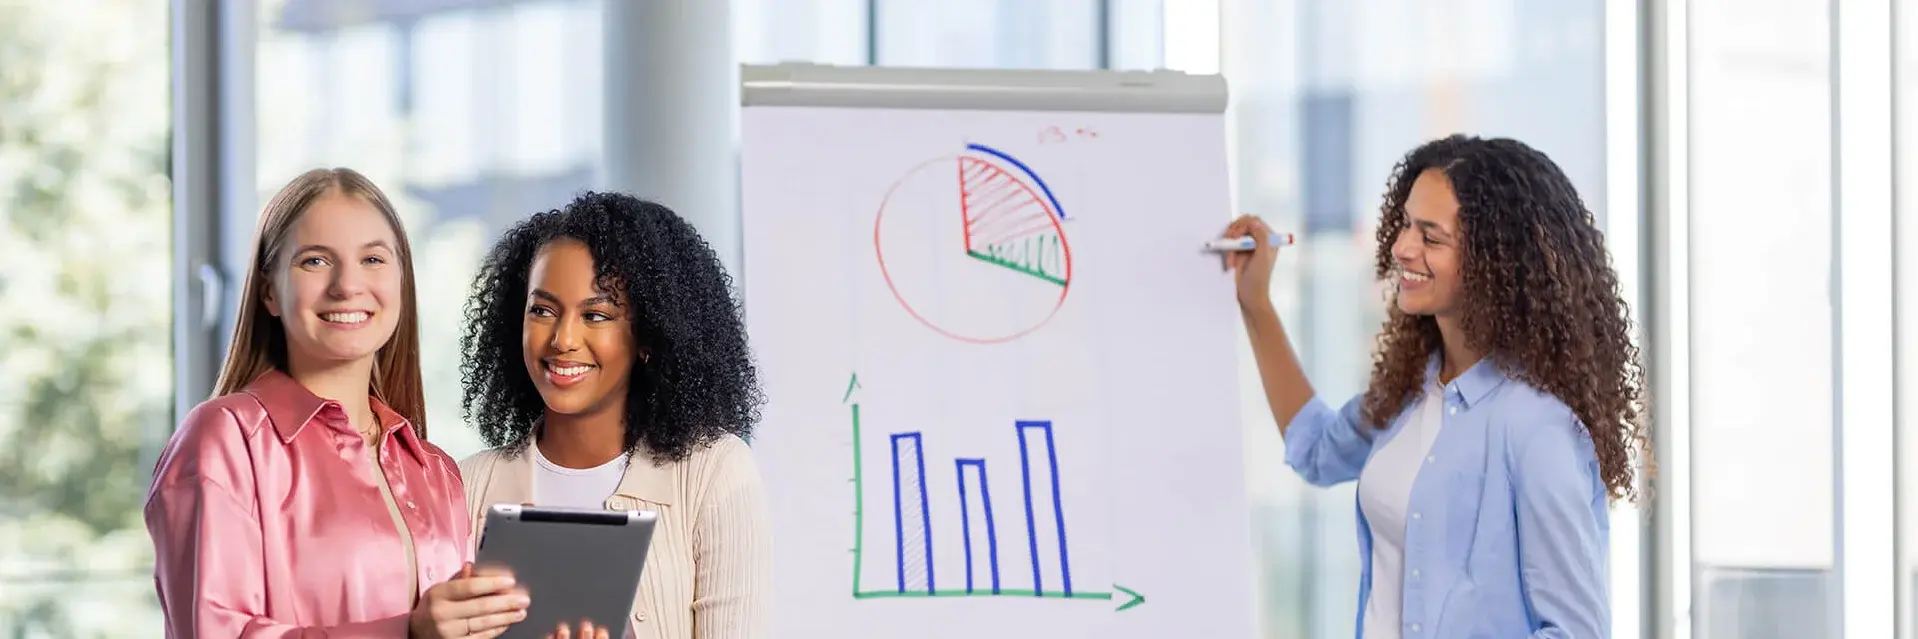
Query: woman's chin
(579, 407)
(559, 402)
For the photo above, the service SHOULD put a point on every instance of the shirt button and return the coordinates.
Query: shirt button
(1417, 516)
(1454, 410)
(1415, 573)
(1415, 627)
(1431, 458)
(409, 504)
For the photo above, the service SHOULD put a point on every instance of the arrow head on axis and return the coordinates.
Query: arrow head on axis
(1135, 600)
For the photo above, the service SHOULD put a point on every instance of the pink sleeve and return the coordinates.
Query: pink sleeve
(201, 507)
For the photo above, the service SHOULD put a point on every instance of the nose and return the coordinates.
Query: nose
(347, 282)
(566, 334)
(1405, 248)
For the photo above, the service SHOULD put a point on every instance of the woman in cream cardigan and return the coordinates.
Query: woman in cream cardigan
(605, 363)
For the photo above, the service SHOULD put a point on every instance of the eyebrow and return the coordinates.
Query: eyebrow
(326, 249)
(590, 301)
(1430, 226)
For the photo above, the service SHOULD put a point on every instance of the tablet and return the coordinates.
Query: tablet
(575, 564)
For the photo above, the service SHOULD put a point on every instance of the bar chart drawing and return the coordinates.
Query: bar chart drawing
(913, 554)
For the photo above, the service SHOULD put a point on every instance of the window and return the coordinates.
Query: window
(818, 31)
(1762, 518)
(1328, 95)
(86, 369)
(470, 115)
(1057, 34)
(1135, 34)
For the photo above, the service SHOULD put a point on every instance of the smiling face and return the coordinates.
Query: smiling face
(1428, 251)
(338, 289)
(577, 338)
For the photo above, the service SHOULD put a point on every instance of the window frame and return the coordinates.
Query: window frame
(1864, 316)
(1865, 313)
(212, 174)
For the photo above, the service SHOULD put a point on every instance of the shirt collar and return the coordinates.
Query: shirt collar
(290, 406)
(646, 479)
(1471, 386)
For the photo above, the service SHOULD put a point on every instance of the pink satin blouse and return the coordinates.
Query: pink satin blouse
(267, 519)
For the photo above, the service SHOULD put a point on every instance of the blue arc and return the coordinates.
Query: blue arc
(1027, 170)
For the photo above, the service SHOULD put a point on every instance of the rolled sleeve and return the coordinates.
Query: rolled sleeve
(1324, 446)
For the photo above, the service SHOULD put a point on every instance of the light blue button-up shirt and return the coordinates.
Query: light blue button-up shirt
(1507, 532)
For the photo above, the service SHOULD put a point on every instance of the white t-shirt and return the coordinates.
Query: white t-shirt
(561, 487)
(1385, 494)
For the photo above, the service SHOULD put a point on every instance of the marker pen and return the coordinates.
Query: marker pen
(1246, 243)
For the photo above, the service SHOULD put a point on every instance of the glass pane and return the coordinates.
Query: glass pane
(1056, 34)
(1136, 35)
(470, 116)
(1905, 39)
(86, 391)
(818, 31)
(1761, 318)
(1329, 94)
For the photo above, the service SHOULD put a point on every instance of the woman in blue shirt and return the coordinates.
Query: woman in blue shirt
(1504, 408)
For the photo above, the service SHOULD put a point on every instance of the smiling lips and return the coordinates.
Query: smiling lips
(563, 373)
(1409, 279)
(347, 319)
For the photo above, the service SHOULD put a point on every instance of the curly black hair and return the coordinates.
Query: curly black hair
(698, 382)
(1541, 299)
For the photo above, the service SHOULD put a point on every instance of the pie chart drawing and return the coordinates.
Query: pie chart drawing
(971, 245)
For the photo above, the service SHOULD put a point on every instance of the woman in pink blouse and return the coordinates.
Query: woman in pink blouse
(303, 499)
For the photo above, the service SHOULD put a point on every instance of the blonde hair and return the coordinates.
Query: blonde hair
(259, 338)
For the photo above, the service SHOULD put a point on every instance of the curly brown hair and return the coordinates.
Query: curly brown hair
(1540, 298)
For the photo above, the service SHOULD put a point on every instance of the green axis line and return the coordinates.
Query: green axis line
(922, 594)
(858, 502)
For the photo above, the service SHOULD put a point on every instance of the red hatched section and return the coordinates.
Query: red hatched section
(997, 207)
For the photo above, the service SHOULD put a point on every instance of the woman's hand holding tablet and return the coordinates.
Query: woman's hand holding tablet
(481, 606)
(469, 605)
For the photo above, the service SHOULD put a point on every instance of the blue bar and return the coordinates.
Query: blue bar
(1058, 504)
(899, 518)
(965, 520)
